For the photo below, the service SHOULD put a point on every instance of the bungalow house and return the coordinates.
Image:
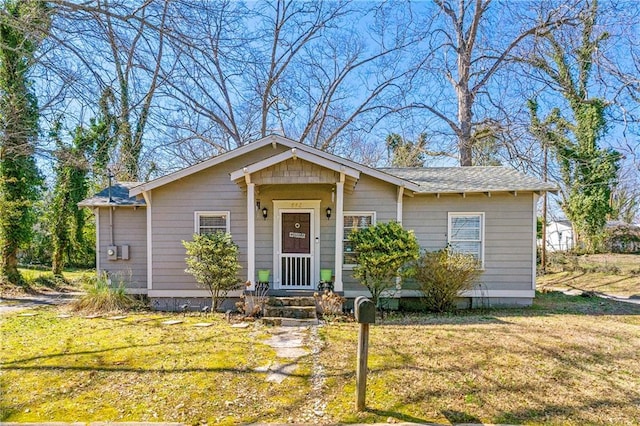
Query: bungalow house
(290, 208)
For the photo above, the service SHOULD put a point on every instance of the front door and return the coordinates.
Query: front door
(296, 250)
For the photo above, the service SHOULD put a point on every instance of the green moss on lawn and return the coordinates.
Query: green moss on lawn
(78, 369)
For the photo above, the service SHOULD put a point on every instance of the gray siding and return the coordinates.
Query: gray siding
(508, 244)
(173, 207)
(129, 228)
(370, 195)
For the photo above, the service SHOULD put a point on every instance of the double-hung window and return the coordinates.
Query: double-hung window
(354, 221)
(210, 222)
(466, 234)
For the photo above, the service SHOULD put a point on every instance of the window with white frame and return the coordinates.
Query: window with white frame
(210, 222)
(466, 234)
(354, 221)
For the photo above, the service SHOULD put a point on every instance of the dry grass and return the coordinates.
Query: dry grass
(614, 274)
(102, 296)
(536, 367)
(568, 360)
(39, 281)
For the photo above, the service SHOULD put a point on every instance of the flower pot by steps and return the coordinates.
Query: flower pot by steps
(263, 275)
(325, 275)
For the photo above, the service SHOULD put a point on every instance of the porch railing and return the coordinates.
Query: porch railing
(296, 271)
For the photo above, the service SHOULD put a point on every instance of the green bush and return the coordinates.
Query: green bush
(382, 252)
(212, 259)
(104, 295)
(442, 275)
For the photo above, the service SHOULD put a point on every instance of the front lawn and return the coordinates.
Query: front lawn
(567, 360)
(82, 369)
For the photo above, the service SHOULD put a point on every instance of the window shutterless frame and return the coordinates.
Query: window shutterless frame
(211, 221)
(353, 221)
(465, 234)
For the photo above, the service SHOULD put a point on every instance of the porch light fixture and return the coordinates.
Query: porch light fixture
(328, 213)
(265, 213)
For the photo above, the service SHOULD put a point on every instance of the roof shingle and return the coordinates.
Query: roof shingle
(440, 180)
(119, 197)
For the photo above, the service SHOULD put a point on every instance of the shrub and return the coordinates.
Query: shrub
(104, 295)
(252, 302)
(212, 259)
(442, 275)
(330, 304)
(382, 252)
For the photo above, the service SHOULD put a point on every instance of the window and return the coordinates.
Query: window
(210, 222)
(354, 221)
(466, 234)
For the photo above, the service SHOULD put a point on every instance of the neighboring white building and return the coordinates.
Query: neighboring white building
(559, 235)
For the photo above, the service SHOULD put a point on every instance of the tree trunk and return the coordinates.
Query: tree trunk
(465, 115)
(57, 262)
(9, 269)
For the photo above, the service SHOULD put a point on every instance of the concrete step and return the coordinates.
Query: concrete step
(289, 322)
(300, 312)
(292, 301)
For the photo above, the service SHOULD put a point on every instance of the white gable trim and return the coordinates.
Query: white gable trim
(273, 139)
(204, 165)
(294, 153)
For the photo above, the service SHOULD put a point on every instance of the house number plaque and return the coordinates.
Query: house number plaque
(301, 235)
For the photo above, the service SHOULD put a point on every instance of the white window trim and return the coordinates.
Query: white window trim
(350, 266)
(451, 215)
(198, 214)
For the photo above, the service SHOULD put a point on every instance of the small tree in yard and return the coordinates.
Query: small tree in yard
(442, 275)
(382, 252)
(212, 259)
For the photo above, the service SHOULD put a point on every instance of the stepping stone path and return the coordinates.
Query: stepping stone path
(289, 345)
(171, 322)
(203, 324)
(240, 325)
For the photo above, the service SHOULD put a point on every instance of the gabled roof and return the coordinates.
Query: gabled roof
(273, 139)
(119, 197)
(443, 180)
(294, 153)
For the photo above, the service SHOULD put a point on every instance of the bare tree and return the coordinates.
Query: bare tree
(304, 72)
(472, 48)
(116, 45)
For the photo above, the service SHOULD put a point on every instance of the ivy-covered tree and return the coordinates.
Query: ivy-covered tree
(382, 250)
(66, 220)
(212, 259)
(405, 153)
(20, 180)
(588, 171)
